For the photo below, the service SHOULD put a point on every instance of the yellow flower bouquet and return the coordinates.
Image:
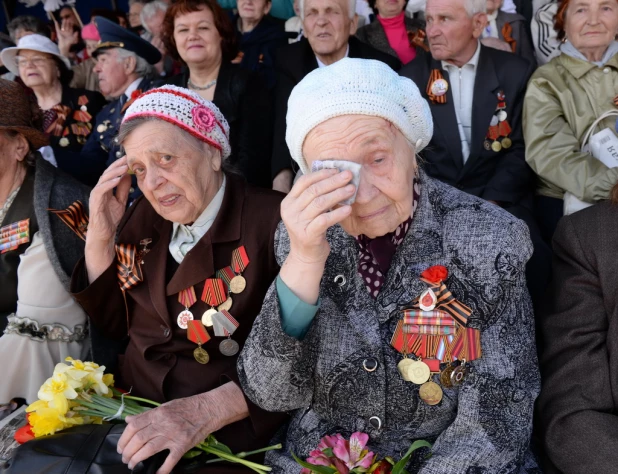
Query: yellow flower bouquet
(80, 393)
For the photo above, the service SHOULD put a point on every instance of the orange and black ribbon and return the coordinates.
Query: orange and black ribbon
(128, 269)
(214, 292)
(57, 126)
(240, 259)
(507, 32)
(448, 303)
(417, 38)
(435, 75)
(75, 218)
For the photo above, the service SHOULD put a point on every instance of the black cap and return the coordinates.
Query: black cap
(115, 36)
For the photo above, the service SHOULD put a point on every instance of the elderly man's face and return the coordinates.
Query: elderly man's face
(328, 26)
(451, 32)
(155, 23)
(113, 74)
(384, 197)
(176, 173)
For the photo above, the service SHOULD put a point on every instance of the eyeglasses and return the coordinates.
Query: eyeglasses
(37, 61)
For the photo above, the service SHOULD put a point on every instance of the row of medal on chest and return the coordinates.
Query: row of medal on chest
(419, 373)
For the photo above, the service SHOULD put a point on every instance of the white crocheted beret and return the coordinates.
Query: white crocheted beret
(186, 109)
(356, 87)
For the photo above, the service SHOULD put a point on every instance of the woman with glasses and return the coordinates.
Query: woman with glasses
(68, 113)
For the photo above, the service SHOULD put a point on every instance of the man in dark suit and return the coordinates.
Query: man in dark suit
(476, 96)
(329, 26)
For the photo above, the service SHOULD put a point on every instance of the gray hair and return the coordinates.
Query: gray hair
(141, 2)
(475, 6)
(351, 8)
(150, 10)
(28, 23)
(142, 67)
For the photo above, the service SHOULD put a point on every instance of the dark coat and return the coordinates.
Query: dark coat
(68, 157)
(502, 176)
(520, 34)
(374, 35)
(578, 404)
(259, 47)
(46, 188)
(246, 104)
(100, 150)
(158, 362)
(294, 62)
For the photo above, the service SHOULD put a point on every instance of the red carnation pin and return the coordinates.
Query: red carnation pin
(435, 274)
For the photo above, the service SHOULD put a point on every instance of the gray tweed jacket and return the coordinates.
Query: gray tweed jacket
(482, 426)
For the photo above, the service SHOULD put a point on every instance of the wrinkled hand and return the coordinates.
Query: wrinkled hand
(497, 44)
(307, 215)
(107, 209)
(178, 425)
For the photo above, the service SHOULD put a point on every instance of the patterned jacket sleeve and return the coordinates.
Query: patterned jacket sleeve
(276, 370)
(492, 429)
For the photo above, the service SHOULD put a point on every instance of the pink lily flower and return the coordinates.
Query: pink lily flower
(351, 452)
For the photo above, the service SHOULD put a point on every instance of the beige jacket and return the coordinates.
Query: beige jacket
(564, 98)
(84, 77)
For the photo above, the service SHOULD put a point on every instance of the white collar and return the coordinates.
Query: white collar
(132, 87)
(185, 237)
(474, 60)
(493, 16)
(321, 64)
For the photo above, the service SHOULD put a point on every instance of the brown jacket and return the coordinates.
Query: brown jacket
(158, 362)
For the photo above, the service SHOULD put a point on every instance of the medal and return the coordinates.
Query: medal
(430, 393)
(229, 347)
(439, 87)
(459, 374)
(196, 332)
(487, 145)
(418, 372)
(427, 300)
(495, 146)
(83, 108)
(183, 318)
(224, 324)
(207, 317)
(502, 116)
(226, 305)
(238, 284)
(445, 376)
(240, 260)
(506, 143)
(187, 299)
(402, 367)
(201, 355)
(64, 141)
(214, 294)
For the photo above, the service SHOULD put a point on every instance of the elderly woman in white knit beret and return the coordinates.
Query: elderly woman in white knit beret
(403, 315)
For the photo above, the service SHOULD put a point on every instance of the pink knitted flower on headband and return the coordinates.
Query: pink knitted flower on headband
(203, 118)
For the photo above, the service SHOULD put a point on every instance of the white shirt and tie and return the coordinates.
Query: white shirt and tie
(461, 82)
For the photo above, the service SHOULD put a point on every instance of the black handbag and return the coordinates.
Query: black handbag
(85, 449)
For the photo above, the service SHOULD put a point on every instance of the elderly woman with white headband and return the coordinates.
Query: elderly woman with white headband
(180, 277)
(404, 315)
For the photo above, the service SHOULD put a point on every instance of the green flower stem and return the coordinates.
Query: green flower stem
(246, 454)
(113, 404)
(231, 458)
(143, 400)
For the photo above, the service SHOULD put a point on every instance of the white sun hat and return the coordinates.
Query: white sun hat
(356, 87)
(33, 43)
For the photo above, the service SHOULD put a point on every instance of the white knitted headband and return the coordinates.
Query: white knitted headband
(356, 87)
(187, 110)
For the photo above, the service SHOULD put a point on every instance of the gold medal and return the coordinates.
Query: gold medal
(430, 393)
(201, 355)
(207, 317)
(418, 372)
(238, 284)
(403, 368)
(64, 141)
(506, 142)
(495, 146)
(226, 305)
(459, 374)
(445, 376)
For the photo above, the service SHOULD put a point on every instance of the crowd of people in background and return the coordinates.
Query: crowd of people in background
(518, 103)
